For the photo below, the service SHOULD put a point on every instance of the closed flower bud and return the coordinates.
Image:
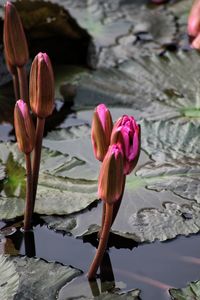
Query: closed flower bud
(127, 133)
(42, 86)
(24, 128)
(111, 176)
(101, 131)
(15, 43)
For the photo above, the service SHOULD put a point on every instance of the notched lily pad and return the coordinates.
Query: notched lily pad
(60, 190)
(192, 291)
(30, 278)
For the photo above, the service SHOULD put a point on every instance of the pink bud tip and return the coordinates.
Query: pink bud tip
(22, 106)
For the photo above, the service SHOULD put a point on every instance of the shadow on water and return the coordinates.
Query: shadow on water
(152, 268)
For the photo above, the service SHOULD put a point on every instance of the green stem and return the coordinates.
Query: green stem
(37, 155)
(29, 194)
(102, 243)
(23, 84)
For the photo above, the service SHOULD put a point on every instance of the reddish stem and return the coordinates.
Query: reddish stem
(37, 155)
(116, 207)
(23, 84)
(16, 86)
(29, 194)
(102, 243)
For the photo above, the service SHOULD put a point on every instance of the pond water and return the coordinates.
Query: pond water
(153, 268)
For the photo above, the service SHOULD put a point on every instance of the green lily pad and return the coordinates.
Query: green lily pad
(30, 278)
(192, 291)
(174, 140)
(2, 172)
(79, 289)
(9, 279)
(60, 190)
(172, 91)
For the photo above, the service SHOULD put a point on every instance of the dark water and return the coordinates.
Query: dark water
(152, 268)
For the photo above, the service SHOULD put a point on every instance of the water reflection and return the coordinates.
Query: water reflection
(107, 279)
(29, 242)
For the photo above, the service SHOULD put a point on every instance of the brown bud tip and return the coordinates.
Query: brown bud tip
(24, 128)
(111, 175)
(42, 86)
(101, 131)
(15, 44)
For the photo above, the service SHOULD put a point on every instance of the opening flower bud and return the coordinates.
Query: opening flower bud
(15, 44)
(42, 86)
(127, 132)
(111, 176)
(24, 127)
(101, 131)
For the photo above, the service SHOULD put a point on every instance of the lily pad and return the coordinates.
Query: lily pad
(59, 192)
(9, 280)
(30, 278)
(172, 141)
(166, 94)
(80, 289)
(192, 291)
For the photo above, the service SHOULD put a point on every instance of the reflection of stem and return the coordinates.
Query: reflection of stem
(29, 242)
(116, 207)
(23, 84)
(106, 273)
(102, 243)
(37, 155)
(29, 194)
(94, 288)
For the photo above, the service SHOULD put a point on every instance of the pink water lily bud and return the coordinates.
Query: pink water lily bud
(41, 86)
(24, 127)
(111, 175)
(15, 44)
(101, 131)
(127, 132)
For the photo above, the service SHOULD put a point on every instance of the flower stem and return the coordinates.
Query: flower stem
(16, 86)
(116, 207)
(37, 155)
(117, 204)
(23, 84)
(29, 194)
(102, 243)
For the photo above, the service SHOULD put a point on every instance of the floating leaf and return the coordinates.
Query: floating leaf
(166, 94)
(9, 279)
(171, 141)
(61, 190)
(27, 278)
(80, 289)
(192, 291)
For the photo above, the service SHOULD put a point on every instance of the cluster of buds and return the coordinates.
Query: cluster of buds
(115, 146)
(41, 91)
(118, 148)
